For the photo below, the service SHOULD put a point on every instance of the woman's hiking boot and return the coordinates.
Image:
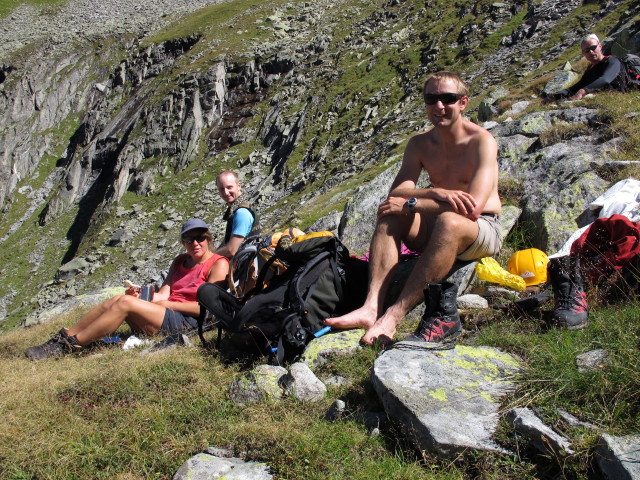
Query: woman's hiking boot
(571, 310)
(57, 346)
(441, 319)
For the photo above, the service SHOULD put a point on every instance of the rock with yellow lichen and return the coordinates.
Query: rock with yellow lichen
(447, 399)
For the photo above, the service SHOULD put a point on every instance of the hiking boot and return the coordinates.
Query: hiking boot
(570, 310)
(441, 319)
(57, 346)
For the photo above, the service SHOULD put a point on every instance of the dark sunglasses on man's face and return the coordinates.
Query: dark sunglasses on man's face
(445, 98)
(592, 48)
(198, 238)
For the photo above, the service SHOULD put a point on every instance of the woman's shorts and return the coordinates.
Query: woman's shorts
(176, 322)
(489, 240)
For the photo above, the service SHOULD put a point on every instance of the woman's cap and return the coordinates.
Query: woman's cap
(192, 224)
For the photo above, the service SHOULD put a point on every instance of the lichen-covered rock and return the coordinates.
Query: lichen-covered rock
(79, 301)
(446, 400)
(259, 384)
(339, 342)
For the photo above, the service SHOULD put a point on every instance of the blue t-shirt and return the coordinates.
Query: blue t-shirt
(242, 222)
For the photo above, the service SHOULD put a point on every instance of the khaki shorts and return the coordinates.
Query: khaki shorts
(489, 240)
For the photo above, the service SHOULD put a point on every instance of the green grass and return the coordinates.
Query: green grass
(7, 5)
(178, 401)
(606, 396)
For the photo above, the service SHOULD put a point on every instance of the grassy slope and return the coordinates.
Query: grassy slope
(7, 5)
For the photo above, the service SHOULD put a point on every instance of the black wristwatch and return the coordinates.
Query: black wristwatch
(411, 204)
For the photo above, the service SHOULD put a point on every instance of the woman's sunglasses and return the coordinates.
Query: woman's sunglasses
(592, 48)
(199, 239)
(445, 98)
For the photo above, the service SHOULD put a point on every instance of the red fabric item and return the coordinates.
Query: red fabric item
(609, 243)
(184, 282)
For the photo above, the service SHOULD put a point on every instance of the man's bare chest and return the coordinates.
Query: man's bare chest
(450, 170)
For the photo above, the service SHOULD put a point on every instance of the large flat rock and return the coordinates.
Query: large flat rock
(446, 399)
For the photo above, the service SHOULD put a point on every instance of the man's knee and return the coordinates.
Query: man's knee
(392, 225)
(451, 221)
(453, 226)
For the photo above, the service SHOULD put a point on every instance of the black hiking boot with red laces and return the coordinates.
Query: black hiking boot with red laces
(441, 320)
(57, 346)
(571, 310)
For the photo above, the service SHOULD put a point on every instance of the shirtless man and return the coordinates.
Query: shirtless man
(457, 218)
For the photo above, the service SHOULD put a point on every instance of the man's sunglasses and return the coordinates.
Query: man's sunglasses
(445, 98)
(199, 239)
(592, 48)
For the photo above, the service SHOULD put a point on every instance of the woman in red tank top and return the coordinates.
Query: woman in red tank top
(173, 308)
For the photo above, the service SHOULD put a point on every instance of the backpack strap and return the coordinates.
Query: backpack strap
(304, 281)
(260, 280)
(279, 353)
(201, 317)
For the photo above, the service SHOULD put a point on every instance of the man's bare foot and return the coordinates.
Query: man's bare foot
(381, 332)
(363, 317)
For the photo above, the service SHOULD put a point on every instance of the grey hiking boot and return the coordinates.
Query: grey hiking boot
(57, 346)
(441, 320)
(571, 310)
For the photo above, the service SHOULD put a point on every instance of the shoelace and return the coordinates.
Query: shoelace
(569, 303)
(430, 326)
(445, 345)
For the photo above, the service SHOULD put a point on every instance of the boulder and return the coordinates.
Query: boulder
(81, 301)
(592, 360)
(518, 107)
(472, 301)
(70, 269)
(487, 108)
(541, 436)
(360, 213)
(204, 466)
(560, 81)
(339, 342)
(446, 400)
(120, 236)
(618, 457)
(575, 422)
(258, 384)
(302, 384)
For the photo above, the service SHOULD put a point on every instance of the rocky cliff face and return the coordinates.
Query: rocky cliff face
(308, 100)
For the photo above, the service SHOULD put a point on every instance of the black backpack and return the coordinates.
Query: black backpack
(250, 258)
(631, 66)
(283, 317)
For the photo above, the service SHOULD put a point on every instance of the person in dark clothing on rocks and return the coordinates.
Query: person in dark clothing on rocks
(172, 309)
(456, 219)
(603, 72)
(241, 220)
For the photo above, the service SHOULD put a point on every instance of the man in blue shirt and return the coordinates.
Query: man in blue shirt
(241, 220)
